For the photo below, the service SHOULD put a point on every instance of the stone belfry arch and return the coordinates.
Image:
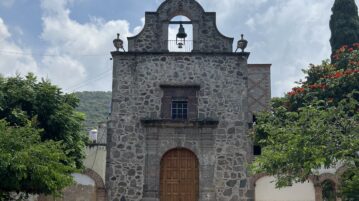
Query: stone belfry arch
(206, 37)
(195, 101)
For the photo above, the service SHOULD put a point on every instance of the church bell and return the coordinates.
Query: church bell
(181, 36)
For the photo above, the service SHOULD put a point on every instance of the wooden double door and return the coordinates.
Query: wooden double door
(179, 176)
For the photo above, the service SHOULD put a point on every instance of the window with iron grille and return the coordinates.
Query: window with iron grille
(179, 108)
(179, 102)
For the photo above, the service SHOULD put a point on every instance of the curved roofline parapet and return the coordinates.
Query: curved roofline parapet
(206, 35)
(144, 25)
(216, 27)
(195, 4)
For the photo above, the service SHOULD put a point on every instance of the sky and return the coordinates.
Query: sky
(69, 41)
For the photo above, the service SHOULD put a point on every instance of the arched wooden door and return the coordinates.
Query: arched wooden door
(179, 176)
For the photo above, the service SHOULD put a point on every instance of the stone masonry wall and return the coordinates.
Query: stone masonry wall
(137, 95)
(259, 90)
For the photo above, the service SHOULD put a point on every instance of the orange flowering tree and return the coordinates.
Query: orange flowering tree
(315, 125)
(329, 82)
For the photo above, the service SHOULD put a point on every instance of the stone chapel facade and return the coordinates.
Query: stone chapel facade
(178, 129)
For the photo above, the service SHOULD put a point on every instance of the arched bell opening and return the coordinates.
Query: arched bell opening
(180, 34)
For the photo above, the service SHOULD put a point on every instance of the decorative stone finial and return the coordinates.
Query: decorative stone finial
(242, 44)
(118, 43)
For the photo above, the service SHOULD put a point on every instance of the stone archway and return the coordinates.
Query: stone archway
(93, 190)
(100, 185)
(179, 176)
(329, 179)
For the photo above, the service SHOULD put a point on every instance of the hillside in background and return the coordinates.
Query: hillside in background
(96, 106)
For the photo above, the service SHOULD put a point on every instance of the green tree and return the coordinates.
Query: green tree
(351, 184)
(29, 165)
(23, 99)
(315, 125)
(344, 24)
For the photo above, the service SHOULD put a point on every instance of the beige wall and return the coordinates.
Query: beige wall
(96, 160)
(265, 191)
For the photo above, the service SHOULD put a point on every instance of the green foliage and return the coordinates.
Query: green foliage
(296, 143)
(315, 125)
(350, 188)
(344, 24)
(96, 106)
(30, 165)
(26, 99)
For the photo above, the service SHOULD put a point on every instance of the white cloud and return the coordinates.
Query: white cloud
(289, 34)
(4, 32)
(77, 55)
(83, 49)
(64, 68)
(294, 34)
(14, 58)
(232, 9)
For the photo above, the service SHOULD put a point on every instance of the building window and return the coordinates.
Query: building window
(179, 108)
(179, 102)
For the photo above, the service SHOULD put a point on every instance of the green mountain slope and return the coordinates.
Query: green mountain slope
(96, 106)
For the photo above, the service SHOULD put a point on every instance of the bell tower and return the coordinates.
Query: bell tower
(179, 120)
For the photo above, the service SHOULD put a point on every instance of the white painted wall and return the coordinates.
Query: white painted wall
(265, 191)
(96, 160)
(96, 155)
